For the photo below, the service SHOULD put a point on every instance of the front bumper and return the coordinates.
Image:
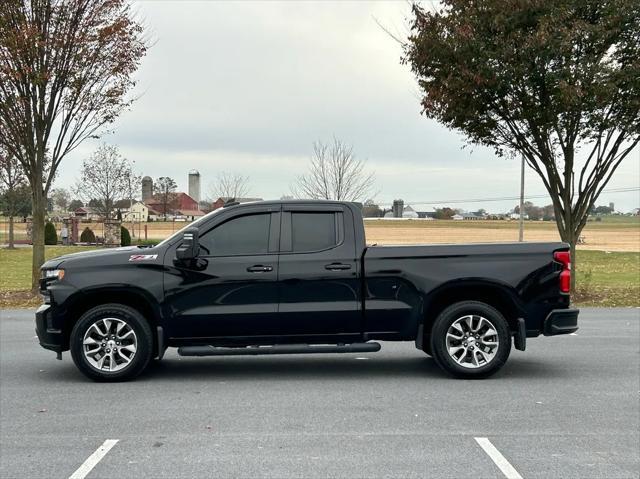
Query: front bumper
(49, 337)
(561, 321)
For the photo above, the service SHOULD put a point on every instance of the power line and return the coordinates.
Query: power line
(507, 198)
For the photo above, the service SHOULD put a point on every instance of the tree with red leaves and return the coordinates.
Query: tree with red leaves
(66, 67)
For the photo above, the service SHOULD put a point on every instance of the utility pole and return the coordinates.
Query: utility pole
(131, 215)
(521, 215)
(133, 229)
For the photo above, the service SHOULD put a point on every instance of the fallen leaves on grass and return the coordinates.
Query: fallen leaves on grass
(19, 299)
(608, 297)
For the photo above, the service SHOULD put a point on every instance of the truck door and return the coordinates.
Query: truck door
(231, 289)
(318, 271)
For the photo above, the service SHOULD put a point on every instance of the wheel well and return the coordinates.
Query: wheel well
(128, 298)
(492, 295)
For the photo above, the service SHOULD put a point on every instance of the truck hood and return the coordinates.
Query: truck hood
(102, 253)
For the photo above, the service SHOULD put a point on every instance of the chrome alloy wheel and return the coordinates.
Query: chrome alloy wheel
(109, 344)
(472, 341)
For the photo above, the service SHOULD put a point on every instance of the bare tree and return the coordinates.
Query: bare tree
(65, 69)
(14, 198)
(164, 188)
(335, 174)
(230, 185)
(106, 177)
(61, 198)
(75, 204)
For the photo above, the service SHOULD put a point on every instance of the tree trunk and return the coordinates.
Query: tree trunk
(11, 239)
(569, 235)
(37, 258)
(573, 265)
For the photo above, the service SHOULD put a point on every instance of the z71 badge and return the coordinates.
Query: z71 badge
(142, 257)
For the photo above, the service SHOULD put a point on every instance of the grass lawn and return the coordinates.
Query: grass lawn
(606, 223)
(16, 265)
(604, 279)
(608, 279)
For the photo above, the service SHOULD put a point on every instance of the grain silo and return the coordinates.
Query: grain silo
(147, 189)
(398, 208)
(194, 185)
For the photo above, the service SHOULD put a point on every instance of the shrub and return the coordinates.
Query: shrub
(125, 237)
(50, 235)
(87, 236)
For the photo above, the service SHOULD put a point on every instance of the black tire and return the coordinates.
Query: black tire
(439, 345)
(144, 349)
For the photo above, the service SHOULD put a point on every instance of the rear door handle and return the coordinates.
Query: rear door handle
(258, 268)
(337, 266)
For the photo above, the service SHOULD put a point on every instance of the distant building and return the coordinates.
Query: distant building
(181, 207)
(204, 206)
(428, 212)
(154, 215)
(407, 212)
(220, 202)
(397, 209)
(188, 215)
(194, 185)
(147, 189)
(138, 212)
(87, 213)
(179, 201)
(467, 217)
(122, 205)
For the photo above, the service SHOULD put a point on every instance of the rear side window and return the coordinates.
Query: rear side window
(244, 235)
(313, 231)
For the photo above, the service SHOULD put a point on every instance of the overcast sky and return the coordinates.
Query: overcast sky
(248, 87)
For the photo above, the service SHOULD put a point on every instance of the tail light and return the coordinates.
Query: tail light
(564, 258)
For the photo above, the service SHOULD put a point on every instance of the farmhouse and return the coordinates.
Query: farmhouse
(87, 213)
(427, 213)
(138, 212)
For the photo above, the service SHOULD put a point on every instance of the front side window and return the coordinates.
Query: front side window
(313, 231)
(244, 235)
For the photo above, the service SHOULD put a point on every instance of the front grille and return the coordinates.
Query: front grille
(44, 292)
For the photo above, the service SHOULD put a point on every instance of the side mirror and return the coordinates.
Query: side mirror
(190, 247)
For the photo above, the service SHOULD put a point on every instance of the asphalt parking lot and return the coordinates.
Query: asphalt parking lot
(567, 407)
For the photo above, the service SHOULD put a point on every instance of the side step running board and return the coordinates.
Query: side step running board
(278, 349)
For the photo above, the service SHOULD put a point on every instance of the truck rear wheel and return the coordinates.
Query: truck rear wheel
(470, 339)
(111, 342)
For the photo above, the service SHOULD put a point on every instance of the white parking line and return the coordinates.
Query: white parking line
(499, 460)
(93, 459)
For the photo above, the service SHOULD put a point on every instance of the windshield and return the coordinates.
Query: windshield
(196, 223)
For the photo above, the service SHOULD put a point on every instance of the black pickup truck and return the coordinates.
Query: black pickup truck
(297, 277)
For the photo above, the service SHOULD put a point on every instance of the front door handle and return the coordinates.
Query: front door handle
(258, 268)
(337, 266)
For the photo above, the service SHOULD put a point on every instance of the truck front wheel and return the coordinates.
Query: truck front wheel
(470, 339)
(111, 342)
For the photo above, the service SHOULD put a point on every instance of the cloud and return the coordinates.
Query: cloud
(249, 86)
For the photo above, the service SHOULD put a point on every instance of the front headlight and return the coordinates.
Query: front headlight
(53, 273)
